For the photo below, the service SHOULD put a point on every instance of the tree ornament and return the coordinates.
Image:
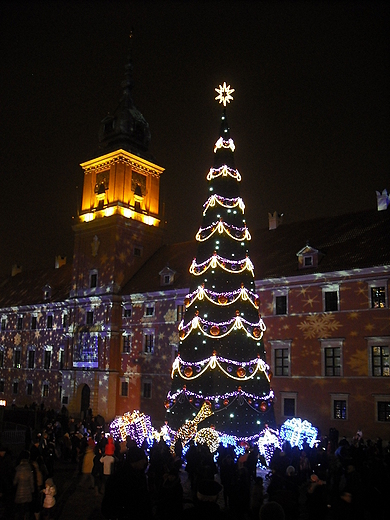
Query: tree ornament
(241, 372)
(188, 371)
(226, 402)
(263, 406)
(222, 299)
(214, 330)
(256, 332)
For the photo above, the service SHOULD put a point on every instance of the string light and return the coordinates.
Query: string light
(186, 432)
(213, 329)
(223, 171)
(254, 366)
(208, 436)
(222, 298)
(268, 442)
(221, 397)
(225, 202)
(221, 143)
(230, 266)
(135, 425)
(237, 233)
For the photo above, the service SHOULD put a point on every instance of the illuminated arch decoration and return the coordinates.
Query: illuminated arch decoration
(298, 432)
(212, 329)
(234, 232)
(208, 436)
(223, 171)
(221, 143)
(225, 202)
(222, 298)
(231, 266)
(197, 369)
(136, 425)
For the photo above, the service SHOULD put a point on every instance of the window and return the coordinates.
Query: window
(47, 359)
(93, 280)
(280, 357)
(281, 305)
(2, 386)
(282, 361)
(137, 251)
(330, 298)
(1, 357)
(89, 318)
(380, 360)
(29, 387)
(308, 261)
(49, 323)
(180, 309)
(149, 309)
(3, 323)
(33, 324)
(15, 387)
(65, 399)
(64, 321)
(126, 349)
(31, 358)
(339, 406)
(19, 323)
(383, 411)
(149, 343)
(137, 206)
(127, 312)
(47, 292)
(377, 294)
(124, 388)
(332, 357)
(61, 359)
(289, 403)
(147, 389)
(45, 389)
(17, 357)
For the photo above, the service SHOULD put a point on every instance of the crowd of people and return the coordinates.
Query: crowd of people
(333, 481)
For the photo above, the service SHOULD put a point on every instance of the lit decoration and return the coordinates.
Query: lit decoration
(223, 171)
(225, 202)
(268, 442)
(236, 233)
(136, 425)
(298, 432)
(221, 143)
(225, 298)
(221, 397)
(224, 93)
(208, 436)
(189, 429)
(208, 328)
(241, 372)
(230, 266)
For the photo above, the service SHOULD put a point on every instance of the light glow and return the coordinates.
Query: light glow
(223, 171)
(231, 266)
(224, 93)
(222, 298)
(208, 328)
(221, 143)
(297, 432)
(234, 232)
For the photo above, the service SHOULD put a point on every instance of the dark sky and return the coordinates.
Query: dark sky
(310, 116)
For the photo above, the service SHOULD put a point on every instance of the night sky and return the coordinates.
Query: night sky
(310, 115)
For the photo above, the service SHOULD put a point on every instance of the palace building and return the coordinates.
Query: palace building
(101, 332)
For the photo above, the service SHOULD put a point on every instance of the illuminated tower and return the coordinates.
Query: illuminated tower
(118, 229)
(221, 353)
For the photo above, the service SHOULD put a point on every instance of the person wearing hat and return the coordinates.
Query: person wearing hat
(108, 461)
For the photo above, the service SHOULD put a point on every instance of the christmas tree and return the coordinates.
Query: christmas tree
(220, 378)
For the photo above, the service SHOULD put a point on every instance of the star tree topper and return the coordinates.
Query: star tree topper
(224, 93)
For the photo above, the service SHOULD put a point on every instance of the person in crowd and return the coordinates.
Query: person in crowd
(108, 461)
(24, 483)
(271, 511)
(49, 492)
(87, 478)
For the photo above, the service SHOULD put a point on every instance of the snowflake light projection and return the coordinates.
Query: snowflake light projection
(297, 432)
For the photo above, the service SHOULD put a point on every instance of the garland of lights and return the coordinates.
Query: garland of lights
(225, 202)
(230, 266)
(212, 329)
(254, 366)
(222, 397)
(223, 171)
(237, 233)
(223, 298)
(221, 143)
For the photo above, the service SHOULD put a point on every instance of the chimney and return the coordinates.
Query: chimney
(16, 269)
(382, 200)
(59, 261)
(274, 220)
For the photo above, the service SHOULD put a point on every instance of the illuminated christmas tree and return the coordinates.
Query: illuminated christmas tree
(221, 360)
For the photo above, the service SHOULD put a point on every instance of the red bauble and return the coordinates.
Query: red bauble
(214, 330)
(226, 402)
(263, 406)
(166, 404)
(241, 372)
(222, 299)
(256, 332)
(182, 334)
(188, 371)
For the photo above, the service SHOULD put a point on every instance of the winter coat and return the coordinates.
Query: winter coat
(24, 482)
(88, 460)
